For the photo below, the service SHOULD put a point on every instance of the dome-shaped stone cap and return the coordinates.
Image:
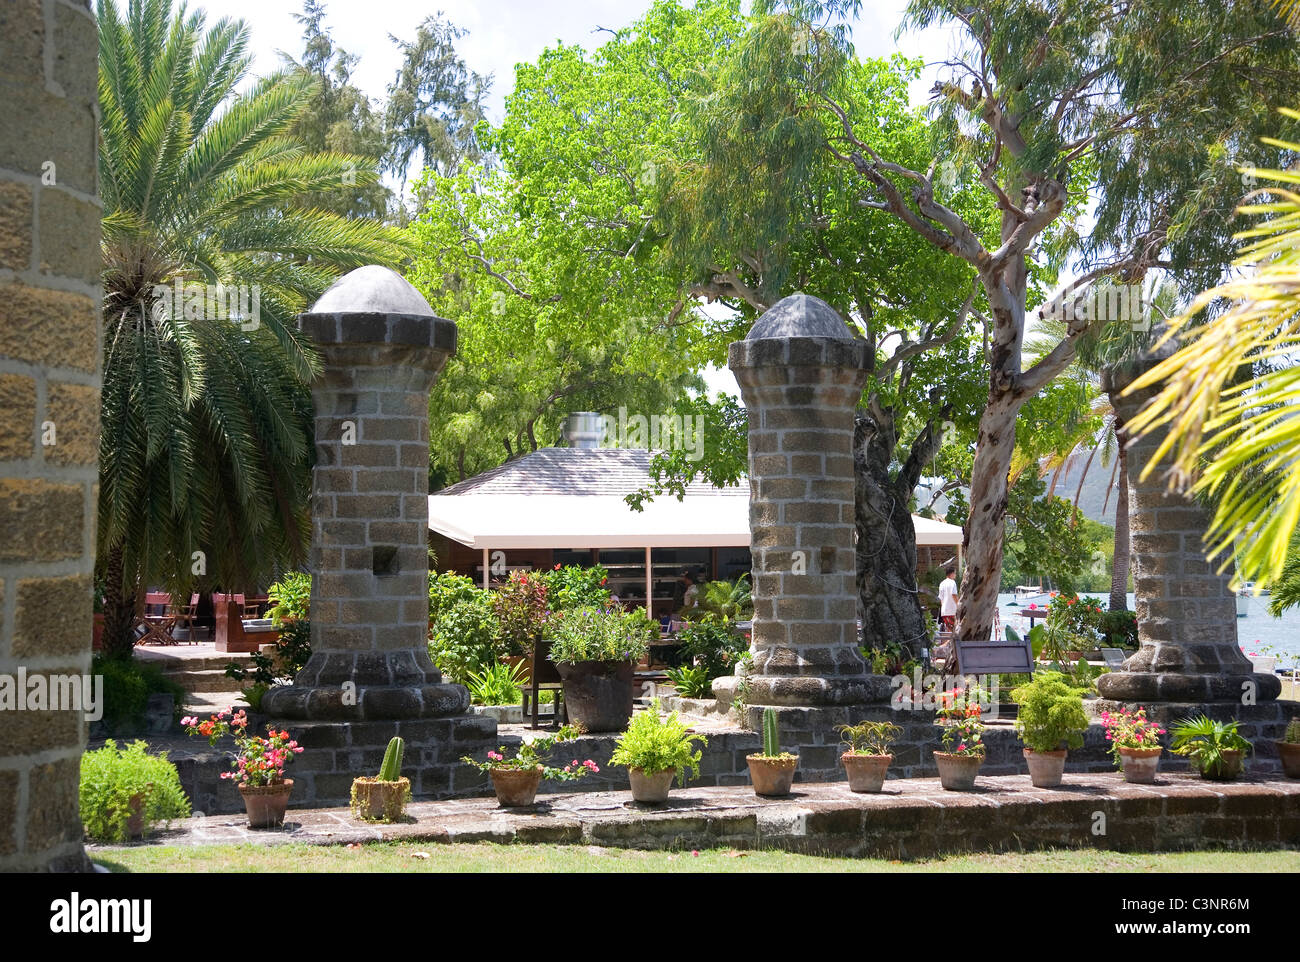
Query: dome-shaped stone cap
(372, 290)
(375, 305)
(800, 315)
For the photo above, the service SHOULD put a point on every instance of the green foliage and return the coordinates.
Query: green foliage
(290, 598)
(1119, 629)
(119, 783)
(522, 607)
(1043, 538)
(466, 637)
(601, 634)
(391, 769)
(534, 754)
(655, 744)
(128, 683)
(691, 682)
(573, 586)
(1204, 741)
(713, 644)
(869, 737)
(447, 589)
(731, 600)
(1284, 592)
(1292, 735)
(288, 657)
(496, 684)
(1050, 713)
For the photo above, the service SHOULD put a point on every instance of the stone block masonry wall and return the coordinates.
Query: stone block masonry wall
(49, 397)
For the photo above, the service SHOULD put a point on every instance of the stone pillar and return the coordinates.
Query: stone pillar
(49, 436)
(801, 374)
(382, 349)
(1187, 616)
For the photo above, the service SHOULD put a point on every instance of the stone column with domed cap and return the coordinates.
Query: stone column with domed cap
(801, 374)
(382, 348)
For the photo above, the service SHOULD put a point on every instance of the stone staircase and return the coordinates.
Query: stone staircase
(201, 670)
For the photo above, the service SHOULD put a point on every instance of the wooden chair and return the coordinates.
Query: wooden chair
(544, 677)
(156, 619)
(183, 616)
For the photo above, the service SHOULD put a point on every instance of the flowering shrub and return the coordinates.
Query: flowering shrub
(535, 754)
(961, 722)
(572, 586)
(258, 760)
(600, 634)
(522, 608)
(1125, 729)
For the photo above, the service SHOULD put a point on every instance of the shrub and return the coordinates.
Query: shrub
(571, 587)
(119, 783)
(713, 644)
(1050, 713)
(466, 637)
(447, 589)
(522, 609)
(127, 686)
(496, 684)
(1119, 629)
(290, 597)
(653, 744)
(691, 682)
(869, 737)
(601, 634)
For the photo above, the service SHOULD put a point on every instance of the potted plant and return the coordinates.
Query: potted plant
(595, 650)
(1050, 720)
(1214, 747)
(516, 780)
(124, 792)
(866, 758)
(1135, 743)
(257, 763)
(382, 798)
(1288, 749)
(960, 720)
(654, 750)
(772, 770)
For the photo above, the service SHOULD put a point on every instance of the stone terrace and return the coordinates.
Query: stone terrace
(912, 818)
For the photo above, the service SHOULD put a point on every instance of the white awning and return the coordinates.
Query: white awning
(511, 521)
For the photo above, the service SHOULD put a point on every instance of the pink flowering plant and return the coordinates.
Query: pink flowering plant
(257, 760)
(1125, 729)
(960, 717)
(534, 755)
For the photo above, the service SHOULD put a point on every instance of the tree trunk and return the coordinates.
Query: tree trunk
(118, 640)
(890, 602)
(1120, 565)
(986, 525)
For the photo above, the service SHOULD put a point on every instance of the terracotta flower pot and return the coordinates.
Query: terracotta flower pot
(598, 694)
(1228, 769)
(135, 820)
(1289, 753)
(1140, 764)
(374, 800)
(866, 772)
(1045, 768)
(957, 772)
(650, 789)
(266, 804)
(772, 776)
(516, 787)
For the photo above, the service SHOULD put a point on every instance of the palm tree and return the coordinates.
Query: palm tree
(1238, 440)
(206, 422)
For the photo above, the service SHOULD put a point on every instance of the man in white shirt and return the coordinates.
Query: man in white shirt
(948, 600)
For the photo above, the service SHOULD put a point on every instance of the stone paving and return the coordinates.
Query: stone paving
(910, 818)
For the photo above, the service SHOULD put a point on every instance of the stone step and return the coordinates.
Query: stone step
(206, 662)
(204, 680)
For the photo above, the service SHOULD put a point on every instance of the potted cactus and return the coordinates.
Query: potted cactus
(866, 759)
(1050, 720)
(1288, 749)
(654, 750)
(382, 798)
(772, 770)
(1214, 747)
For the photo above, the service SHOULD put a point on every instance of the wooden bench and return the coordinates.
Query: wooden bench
(234, 633)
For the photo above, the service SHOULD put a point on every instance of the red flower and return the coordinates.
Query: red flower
(557, 567)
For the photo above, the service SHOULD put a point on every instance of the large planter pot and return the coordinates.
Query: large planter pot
(1289, 753)
(651, 789)
(598, 694)
(957, 772)
(1140, 764)
(265, 804)
(374, 800)
(772, 776)
(866, 772)
(516, 787)
(135, 818)
(1227, 769)
(1045, 768)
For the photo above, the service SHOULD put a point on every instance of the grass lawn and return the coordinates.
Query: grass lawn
(415, 857)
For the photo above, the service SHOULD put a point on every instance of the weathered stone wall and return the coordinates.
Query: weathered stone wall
(49, 395)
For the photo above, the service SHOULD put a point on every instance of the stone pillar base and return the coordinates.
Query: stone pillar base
(350, 686)
(1168, 686)
(814, 690)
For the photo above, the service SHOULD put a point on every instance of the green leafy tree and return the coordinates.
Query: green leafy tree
(206, 425)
